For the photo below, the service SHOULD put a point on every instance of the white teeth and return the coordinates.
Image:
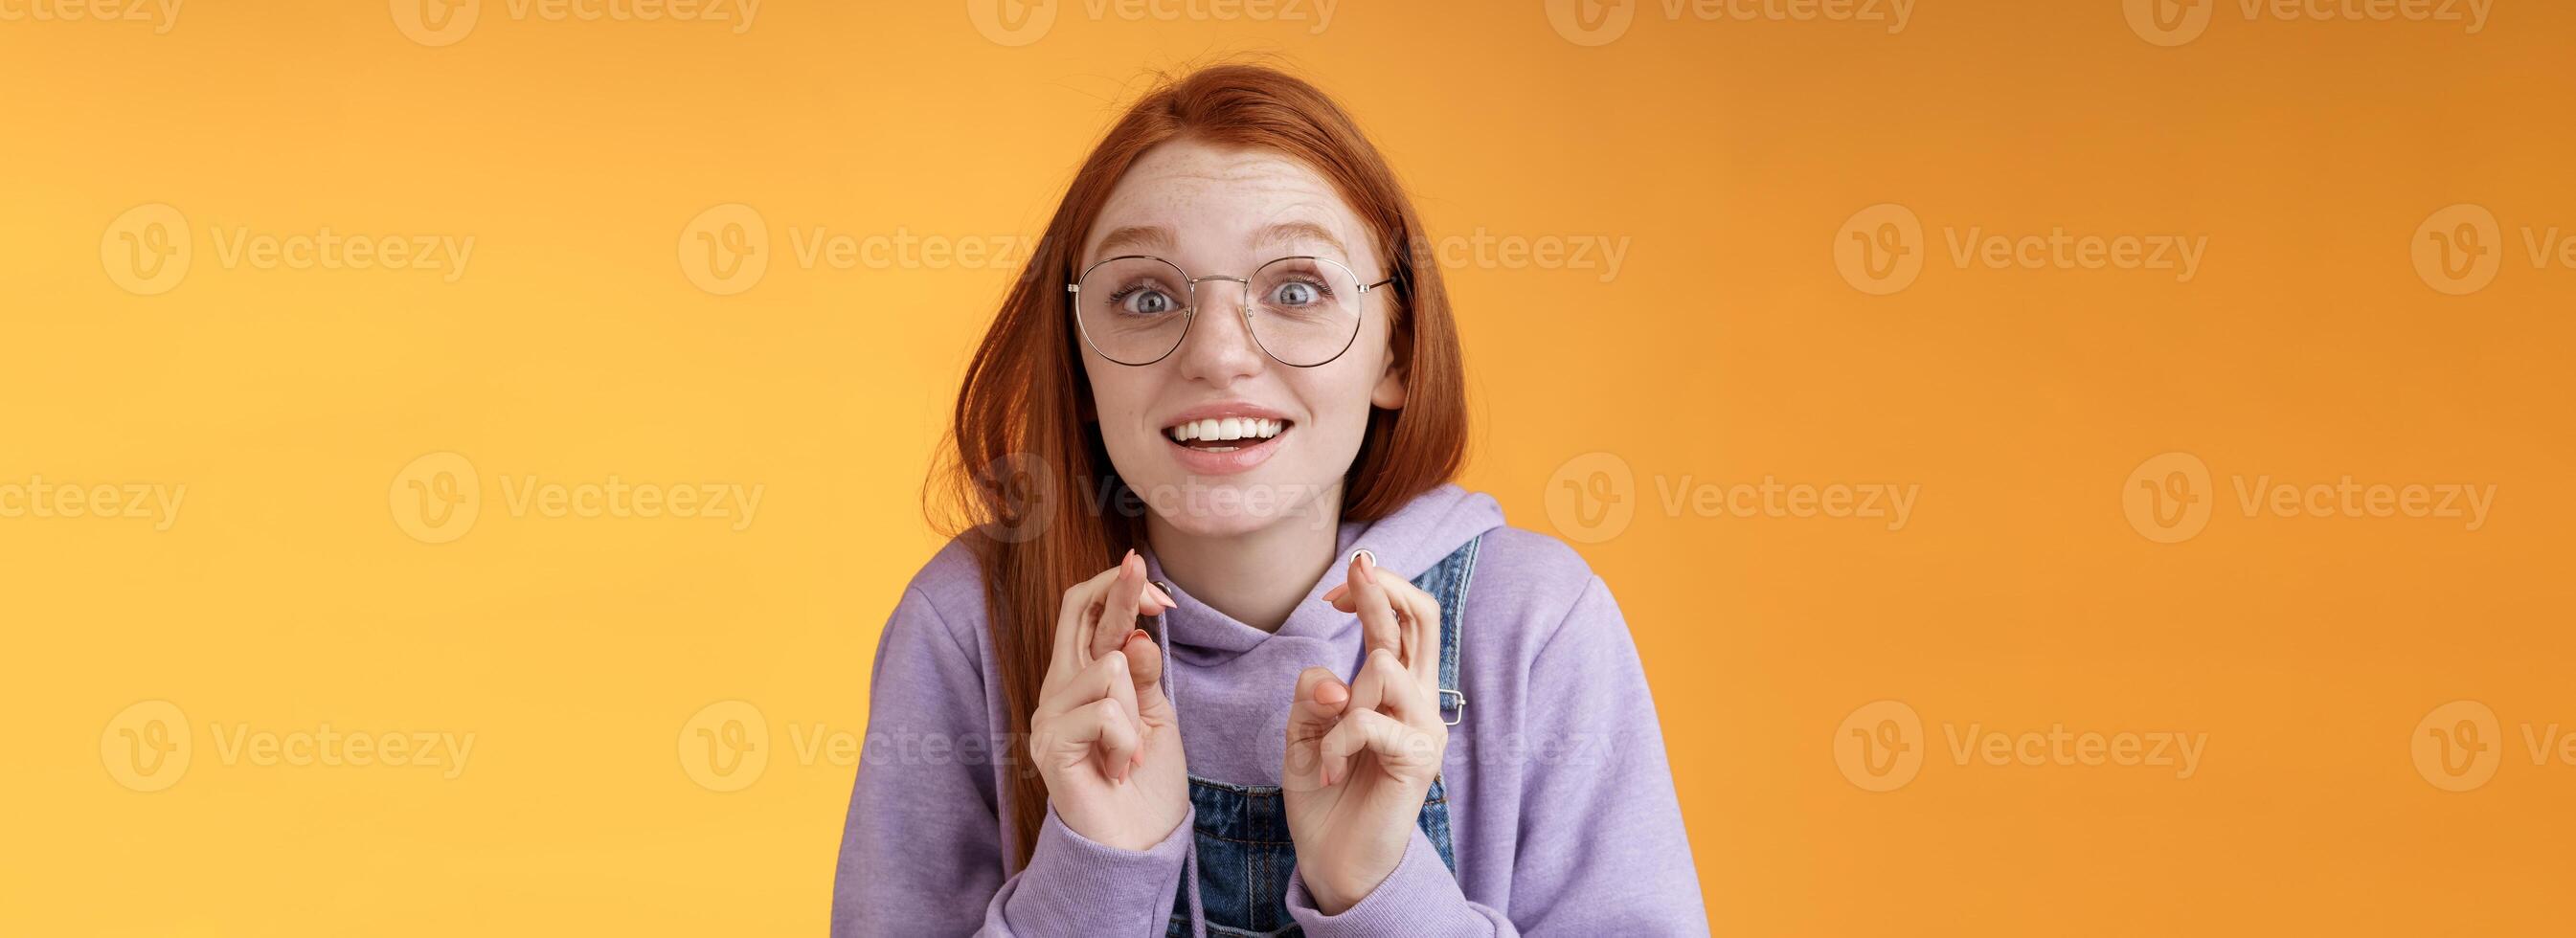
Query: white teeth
(1226, 428)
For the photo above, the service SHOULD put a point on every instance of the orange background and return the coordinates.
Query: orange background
(291, 589)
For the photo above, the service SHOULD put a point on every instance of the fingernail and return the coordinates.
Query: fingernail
(1137, 634)
(1368, 560)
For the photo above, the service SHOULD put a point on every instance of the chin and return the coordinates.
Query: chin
(1225, 506)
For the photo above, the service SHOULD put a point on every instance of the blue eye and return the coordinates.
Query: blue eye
(1143, 301)
(1296, 293)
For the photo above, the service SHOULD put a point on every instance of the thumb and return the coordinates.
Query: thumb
(1145, 665)
(1321, 698)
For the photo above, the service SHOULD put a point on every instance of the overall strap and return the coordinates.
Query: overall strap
(1447, 581)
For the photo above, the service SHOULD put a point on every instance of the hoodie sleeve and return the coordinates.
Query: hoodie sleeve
(921, 853)
(1602, 850)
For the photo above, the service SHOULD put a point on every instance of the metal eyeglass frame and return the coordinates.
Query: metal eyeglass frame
(1190, 313)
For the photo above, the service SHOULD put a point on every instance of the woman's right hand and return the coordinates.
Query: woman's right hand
(1103, 736)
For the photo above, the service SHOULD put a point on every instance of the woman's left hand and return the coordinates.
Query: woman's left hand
(1361, 758)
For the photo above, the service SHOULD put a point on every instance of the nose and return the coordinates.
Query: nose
(1220, 347)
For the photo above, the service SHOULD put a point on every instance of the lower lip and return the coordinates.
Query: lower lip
(1204, 462)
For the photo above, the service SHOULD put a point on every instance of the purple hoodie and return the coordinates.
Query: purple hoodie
(1561, 805)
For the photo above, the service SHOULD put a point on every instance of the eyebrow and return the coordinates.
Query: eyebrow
(1134, 236)
(1285, 232)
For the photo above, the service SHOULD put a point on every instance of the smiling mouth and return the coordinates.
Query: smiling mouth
(1226, 434)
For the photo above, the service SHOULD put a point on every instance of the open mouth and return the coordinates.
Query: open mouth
(1226, 434)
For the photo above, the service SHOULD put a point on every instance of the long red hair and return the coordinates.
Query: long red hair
(1029, 484)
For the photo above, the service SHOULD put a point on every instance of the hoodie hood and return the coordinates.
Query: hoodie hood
(1428, 528)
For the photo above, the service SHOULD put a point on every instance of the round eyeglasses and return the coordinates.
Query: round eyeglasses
(1303, 311)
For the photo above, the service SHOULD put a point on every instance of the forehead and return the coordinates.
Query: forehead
(1195, 203)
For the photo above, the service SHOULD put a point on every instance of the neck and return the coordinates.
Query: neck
(1258, 576)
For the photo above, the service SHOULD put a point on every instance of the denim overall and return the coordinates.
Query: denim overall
(1243, 852)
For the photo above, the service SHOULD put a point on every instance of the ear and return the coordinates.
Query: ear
(1390, 390)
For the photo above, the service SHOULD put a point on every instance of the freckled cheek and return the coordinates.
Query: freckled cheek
(1135, 454)
(1120, 402)
(1337, 411)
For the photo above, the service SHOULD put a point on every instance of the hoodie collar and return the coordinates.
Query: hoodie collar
(1428, 528)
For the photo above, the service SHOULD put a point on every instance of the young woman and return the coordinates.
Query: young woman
(1204, 662)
